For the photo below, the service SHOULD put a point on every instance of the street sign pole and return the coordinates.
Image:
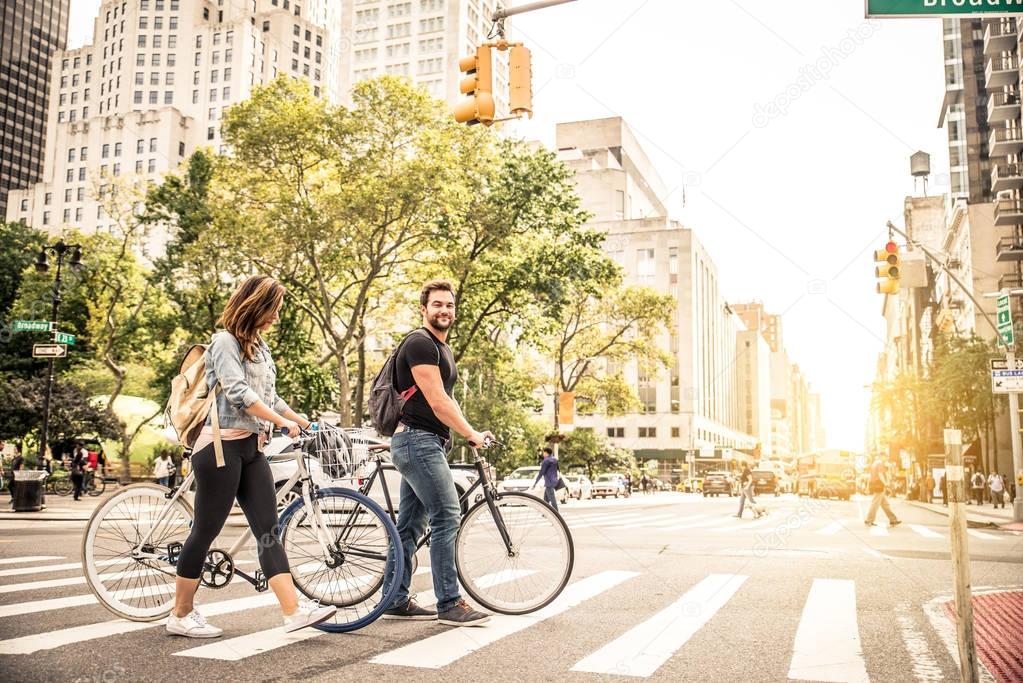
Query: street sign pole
(49, 376)
(957, 497)
(1017, 443)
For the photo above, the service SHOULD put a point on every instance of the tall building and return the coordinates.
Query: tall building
(755, 317)
(151, 88)
(422, 40)
(696, 404)
(30, 32)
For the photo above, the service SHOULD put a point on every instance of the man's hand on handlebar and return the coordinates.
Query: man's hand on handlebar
(481, 439)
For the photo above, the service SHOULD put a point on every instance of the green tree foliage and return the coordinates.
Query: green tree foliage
(19, 246)
(583, 449)
(71, 411)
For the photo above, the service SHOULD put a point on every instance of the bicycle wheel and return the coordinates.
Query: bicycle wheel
(97, 486)
(137, 589)
(537, 570)
(361, 571)
(63, 487)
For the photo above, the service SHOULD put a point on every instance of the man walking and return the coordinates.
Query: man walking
(878, 486)
(746, 492)
(425, 374)
(549, 473)
(977, 485)
(997, 486)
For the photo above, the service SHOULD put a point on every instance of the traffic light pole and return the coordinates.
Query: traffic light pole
(1010, 356)
(529, 7)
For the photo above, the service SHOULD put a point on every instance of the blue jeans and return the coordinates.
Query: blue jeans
(746, 492)
(427, 495)
(550, 494)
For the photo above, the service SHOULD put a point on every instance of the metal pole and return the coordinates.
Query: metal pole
(500, 14)
(960, 555)
(60, 248)
(1017, 446)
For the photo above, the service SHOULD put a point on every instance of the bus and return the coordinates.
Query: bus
(829, 473)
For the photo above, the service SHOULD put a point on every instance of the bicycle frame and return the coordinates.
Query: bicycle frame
(301, 475)
(483, 482)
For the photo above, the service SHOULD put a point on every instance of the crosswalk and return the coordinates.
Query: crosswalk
(824, 646)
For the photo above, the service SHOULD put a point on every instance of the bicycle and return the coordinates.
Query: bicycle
(514, 553)
(94, 485)
(337, 540)
(59, 483)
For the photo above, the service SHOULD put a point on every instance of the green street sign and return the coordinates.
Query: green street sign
(30, 325)
(64, 338)
(1007, 336)
(942, 8)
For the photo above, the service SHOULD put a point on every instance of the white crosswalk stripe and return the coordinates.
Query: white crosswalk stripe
(643, 649)
(982, 535)
(827, 646)
(924, 531)
(878, 531)
(450, 646)
(30, 558)
(831, 529)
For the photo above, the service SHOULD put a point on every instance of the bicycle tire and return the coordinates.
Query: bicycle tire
(98, 486)
(156, 598)
(477, 533)
(375, 592)
(63, 487)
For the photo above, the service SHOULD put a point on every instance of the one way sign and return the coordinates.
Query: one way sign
(49, 350)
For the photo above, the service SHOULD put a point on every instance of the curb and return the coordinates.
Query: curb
(971, 522)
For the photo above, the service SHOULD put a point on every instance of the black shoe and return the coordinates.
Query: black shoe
(461, 614)
(410, 611)
(895, 523)
(869, 523)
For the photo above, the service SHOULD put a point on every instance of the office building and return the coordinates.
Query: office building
(31, 31)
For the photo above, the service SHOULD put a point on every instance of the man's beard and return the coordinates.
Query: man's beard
(441, 324)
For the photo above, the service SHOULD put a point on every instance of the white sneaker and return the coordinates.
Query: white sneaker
(192, 626)
(309, 613)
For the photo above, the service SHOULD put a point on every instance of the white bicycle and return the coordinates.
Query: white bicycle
(339, 543)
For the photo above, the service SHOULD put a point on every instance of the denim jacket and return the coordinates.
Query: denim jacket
(242, 382)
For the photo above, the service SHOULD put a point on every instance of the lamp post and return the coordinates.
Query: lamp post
(60, 248)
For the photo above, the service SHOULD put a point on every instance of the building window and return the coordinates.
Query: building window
(210, 133)
(143, 22)
(70, 176)
(154, 78)
(140, 146)
(140, 59)
(616, 432)
(78, 214)
(648, 432)
(106, 151)
(181, 149)
(168, 78)
(168, 97)
(138, 97)
(156, 60)
(138, 165)
(81, 174)
(67, 215)
(154, 97)
(172, 42)
(71, 154)
(48, 198)
(676, 432)
(152, 166)
(67, 194)
(46, 217)
(645, 266)
(173, 23)
(152, 144)
(117, 149)
(81, 194)
(142, 40)
(83, 153)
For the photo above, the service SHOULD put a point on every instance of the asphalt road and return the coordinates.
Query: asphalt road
(667, 587)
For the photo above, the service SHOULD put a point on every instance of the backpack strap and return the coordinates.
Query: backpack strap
(218, 445)
(411, 391)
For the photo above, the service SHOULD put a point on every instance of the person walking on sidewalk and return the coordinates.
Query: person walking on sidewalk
(977, 486)
(549, 473)
(878, 486)
(163, 468)
(424, 368)
(997, 486)
(240, 370)
(944, 489)
(79, 463)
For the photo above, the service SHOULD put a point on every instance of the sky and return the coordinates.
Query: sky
(783, 133)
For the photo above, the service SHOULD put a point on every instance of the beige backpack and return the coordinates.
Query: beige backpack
(191, 401)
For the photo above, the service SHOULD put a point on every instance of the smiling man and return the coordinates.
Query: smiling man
(425, 373)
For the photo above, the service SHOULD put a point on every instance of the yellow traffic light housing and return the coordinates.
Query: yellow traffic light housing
(888, 268)
(520, 77)
(478, 84)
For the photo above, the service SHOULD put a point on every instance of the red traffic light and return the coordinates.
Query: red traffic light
(891, 247)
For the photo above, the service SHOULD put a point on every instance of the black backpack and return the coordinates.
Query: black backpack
(385, 402)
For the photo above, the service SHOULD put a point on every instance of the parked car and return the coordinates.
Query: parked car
(765, 481)
(609, 485)
(522, 480)
(579, 486)
(717, 483)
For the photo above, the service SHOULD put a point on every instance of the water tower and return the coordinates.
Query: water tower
(920, 167)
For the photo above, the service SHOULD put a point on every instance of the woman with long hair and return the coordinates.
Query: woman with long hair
(239, 368)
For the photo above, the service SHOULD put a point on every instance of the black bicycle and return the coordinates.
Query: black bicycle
(514, 553)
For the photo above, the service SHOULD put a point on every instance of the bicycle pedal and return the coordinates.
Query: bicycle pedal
(260, 584)
(173, 552)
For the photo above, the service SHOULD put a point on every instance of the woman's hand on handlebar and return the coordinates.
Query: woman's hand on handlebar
(289, 428)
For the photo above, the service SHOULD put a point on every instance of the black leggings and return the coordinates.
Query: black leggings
(245, 475)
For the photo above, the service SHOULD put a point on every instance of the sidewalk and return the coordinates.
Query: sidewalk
(67, 509)
(980, 515)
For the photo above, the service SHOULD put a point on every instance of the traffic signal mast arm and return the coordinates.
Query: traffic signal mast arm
(522, 9)
(934, 259)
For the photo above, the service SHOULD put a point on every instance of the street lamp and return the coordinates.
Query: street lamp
(60, 248)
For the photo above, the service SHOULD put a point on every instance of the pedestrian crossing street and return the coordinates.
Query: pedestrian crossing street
(791, 517)
(825, 645)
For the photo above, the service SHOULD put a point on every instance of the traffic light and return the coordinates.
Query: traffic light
(520, 77)
(888, 267)
(478, 84)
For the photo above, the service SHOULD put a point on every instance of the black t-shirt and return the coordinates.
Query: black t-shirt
(420, 349)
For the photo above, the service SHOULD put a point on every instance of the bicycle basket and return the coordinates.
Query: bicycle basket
(340, 452)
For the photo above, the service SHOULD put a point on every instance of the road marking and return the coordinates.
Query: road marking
(645, 648)
(925, 667)
(872, 552)
(652, 521)
(693, 525)
(450, 646)
(750, 525)
(924, 531)
(67, 566)
(33, 606)
(244, 646)
(827, 646)
(31, 558)
(831, 529)
(75, 580)
(607, 520)
(878, 531)
(983, 536)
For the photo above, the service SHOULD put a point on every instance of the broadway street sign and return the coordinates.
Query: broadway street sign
(30, 326)
(942, 8)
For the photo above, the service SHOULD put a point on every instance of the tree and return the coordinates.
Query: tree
(584, 449)
(619, 326)
(19, 246)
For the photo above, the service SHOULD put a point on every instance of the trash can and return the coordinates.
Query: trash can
(28, 490)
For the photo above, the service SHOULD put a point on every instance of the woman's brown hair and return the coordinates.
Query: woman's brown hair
(251, 307)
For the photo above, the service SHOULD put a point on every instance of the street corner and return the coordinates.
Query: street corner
(998, 632)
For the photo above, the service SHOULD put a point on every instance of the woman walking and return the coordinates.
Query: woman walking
(239, 368)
